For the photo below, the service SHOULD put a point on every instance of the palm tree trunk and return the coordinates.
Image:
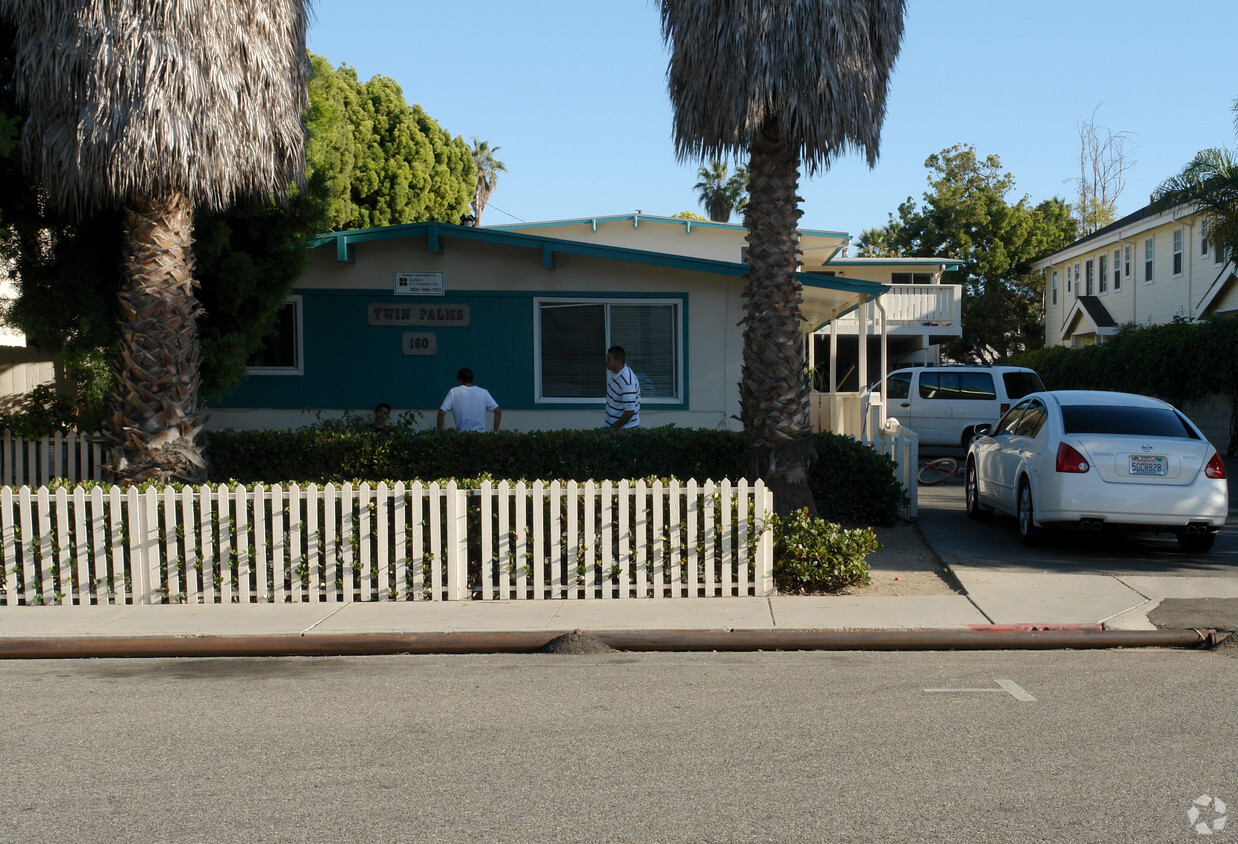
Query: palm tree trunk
(156, 414)
(774, 386)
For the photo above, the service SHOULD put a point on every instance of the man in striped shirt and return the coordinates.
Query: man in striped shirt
(622, 391)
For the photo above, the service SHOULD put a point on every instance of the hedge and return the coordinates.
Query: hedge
(852, 484)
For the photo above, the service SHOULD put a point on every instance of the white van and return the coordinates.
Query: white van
(944, 404)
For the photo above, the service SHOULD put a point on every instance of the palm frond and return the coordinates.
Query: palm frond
(820, 68)
(151, 97)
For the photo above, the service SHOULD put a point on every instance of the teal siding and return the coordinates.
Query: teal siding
(351, 364)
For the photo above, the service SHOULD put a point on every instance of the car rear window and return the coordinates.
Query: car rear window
(1019, 384)
(1132, 421)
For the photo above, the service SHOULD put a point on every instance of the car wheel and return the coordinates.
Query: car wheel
(974, 509)
(1029, 534)
(1196, 542)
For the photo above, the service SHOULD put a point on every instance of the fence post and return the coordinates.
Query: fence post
(139, 549)
(763, 500)
(457, 543)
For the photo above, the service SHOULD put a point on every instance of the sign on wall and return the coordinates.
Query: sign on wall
(387, 313)
(419, 343)
(418, 284)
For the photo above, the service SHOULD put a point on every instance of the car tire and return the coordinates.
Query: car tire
(1196, 543)
(975, 510)
(1025, 514)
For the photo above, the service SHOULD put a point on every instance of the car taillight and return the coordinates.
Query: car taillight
(1005, 407)
(1215, 468)
(1069, 460)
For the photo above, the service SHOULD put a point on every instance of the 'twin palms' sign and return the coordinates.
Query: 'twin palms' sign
(386, 313)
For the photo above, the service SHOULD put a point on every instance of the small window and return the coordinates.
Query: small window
(1008, 423)
(281, 350)
(1203, 237)
(1147, 261)
(1054, 288)
(1177, 252)
(1104, 273)
(1090, 277)
(1018, 383)
(1126, 263)
(1117, 275)
(922, 278)
(1076, 287)
(900, 278)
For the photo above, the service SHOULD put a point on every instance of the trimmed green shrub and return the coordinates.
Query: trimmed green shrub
(851, 483)
(812, 555)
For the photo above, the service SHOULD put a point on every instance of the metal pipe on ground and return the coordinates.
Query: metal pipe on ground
(633, 640)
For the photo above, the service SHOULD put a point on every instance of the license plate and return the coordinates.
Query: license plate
(1143, 465)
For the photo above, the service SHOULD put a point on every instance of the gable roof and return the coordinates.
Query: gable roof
(824, 297)
(1091, 309)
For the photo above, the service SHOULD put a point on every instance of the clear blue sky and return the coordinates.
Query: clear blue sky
(574, 93)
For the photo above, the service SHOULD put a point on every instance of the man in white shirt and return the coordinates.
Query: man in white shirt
(468, 404)
(622, 391)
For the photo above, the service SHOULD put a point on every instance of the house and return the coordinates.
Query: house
(390, 314)
(1144, 269)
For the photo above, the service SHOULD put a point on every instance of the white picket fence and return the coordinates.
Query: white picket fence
(418, 542)
(74, 456)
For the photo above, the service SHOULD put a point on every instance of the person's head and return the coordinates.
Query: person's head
(465, 377)
(615, 358)
(382, 411)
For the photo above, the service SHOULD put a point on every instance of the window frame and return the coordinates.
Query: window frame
(1103, 287)
(1054, 288)
(1117, 270)
(677, 303)
(1089, 277)
(298, 368)
(1149, 260)
(1177, 248)
(1126, 263)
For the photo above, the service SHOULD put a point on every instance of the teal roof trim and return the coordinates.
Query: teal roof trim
(639, 218)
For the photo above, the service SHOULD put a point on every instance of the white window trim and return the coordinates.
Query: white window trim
(1054, 288)
(1149, 279)
(1102, 288)
(298, 321)
(1178, 251)
(677, 302)
(1127, 261)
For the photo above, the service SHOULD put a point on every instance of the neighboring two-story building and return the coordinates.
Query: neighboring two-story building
(1145, 269)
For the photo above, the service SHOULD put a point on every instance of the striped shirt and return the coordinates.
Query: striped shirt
(623, 394)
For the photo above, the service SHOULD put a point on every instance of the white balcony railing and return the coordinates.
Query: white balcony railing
(920, 308)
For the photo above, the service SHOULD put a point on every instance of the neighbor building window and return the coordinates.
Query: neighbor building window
(1117, 272)
(1203, 238)
(1104, 272)
(1147, 260)
(281, 350)
(1076, 279)
(1054, 287)
(1126, 263)
(571, 337)
(1177, 252)
(1090, 278)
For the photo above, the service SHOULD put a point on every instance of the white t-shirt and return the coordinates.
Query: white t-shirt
(469, 405)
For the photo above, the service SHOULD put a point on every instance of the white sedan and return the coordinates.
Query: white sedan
(1098, 460)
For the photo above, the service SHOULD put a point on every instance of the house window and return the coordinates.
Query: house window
(1054, 288)
(1203, 238)
(1177, 252)
(571, 337)
(911, 278)
(1076, 281)
(1104, 272)
(1147, 260)
(281, 350)
(1126, 264)
(1117, 272)
(1089, 278)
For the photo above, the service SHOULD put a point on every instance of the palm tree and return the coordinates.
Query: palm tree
(1210, 182)
(488, 169)
(157, 106)
(779, 80)
(718, 194)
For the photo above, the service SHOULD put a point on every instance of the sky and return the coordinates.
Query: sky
(573, 92)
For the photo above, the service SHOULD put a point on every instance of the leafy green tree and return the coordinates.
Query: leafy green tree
(1209, 181)
(778, 81)
(966, 215)
(488, 169)
(385, 162)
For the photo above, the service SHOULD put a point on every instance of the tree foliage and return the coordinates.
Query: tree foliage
(965, 214)
(385, 162)
(719, 193)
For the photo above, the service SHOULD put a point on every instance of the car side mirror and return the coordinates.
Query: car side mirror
(984, 429)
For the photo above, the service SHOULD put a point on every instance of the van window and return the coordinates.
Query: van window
(1019, 384)
(899, 385)
(955, 386)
